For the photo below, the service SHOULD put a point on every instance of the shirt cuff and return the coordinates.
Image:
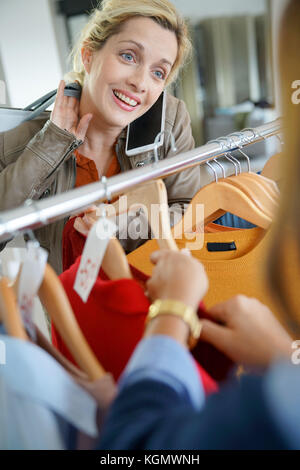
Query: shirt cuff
(163, 359)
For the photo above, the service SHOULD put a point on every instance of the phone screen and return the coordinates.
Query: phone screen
(144, 130)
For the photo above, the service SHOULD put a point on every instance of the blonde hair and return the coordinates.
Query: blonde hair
(108, 19)
(287, 230)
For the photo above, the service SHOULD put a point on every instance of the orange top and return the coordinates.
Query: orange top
(241, 271)
(87, 171)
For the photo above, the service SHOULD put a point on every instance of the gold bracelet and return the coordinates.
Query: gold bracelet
(175, 307)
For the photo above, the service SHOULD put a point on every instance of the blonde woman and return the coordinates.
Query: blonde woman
(160, 403)
(127, 54)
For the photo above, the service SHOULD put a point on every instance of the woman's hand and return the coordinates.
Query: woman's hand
(65, 114)
(84, 224)
(177, 276)
(247, 332)
(91, 215)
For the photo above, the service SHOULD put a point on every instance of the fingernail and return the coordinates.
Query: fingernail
(185, 251)
(154, 254)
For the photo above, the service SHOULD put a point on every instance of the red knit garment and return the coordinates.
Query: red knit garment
(72, 244)
(112, 321)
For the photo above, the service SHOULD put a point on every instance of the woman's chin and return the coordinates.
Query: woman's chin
(116, 118)
(120, 122)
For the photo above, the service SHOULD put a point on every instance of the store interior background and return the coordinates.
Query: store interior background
(235, 44)
(234, 66)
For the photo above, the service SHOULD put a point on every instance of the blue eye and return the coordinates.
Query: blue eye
(127, 56)
(159, 74)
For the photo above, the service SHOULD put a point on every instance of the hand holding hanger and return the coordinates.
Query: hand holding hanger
(151, 196)
(114, 262)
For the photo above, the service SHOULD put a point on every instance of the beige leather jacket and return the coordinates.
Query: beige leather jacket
(37, 161)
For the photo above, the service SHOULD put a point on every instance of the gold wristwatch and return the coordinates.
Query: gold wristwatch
(174, 307)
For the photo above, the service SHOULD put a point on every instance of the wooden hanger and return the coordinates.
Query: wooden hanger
(267, 183)
(262, 191)
(149, 195)
(55, 300)
(11, 318)
(259, 193)
(226, 197)
(272, 168)
(9, 311)
(53, 297)
(114, 263)
(45, 344)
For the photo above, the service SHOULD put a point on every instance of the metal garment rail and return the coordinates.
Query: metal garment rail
(34, 214)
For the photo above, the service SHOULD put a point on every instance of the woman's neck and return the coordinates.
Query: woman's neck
(100, 140)
(99, 147)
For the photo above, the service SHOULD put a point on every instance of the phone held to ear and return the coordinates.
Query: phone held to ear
(73, 89)
(142, 132)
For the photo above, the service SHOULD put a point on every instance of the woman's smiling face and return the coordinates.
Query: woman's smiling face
(128, 74)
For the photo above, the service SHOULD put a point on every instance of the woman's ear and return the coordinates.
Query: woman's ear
(86, 56)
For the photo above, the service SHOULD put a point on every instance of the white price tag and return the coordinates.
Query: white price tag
(32, 273)
(92, 256)
(12, 269)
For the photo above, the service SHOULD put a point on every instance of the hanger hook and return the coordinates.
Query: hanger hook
(212, 168)
(173, 143)
(227, 141)
(217, 141)
(278, 136)
(234, 159)
(281, 141)
(106, 189)
(229, 158)
(242, 137)
(107, 195)
(228, 153)
(249, 129)
(221, 166)
(32, 238)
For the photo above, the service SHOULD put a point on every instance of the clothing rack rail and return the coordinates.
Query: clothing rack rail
(34, 214)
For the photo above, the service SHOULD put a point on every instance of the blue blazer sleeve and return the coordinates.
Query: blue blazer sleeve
(150, 415)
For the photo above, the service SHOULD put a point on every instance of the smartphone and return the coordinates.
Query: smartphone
(142, 132)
